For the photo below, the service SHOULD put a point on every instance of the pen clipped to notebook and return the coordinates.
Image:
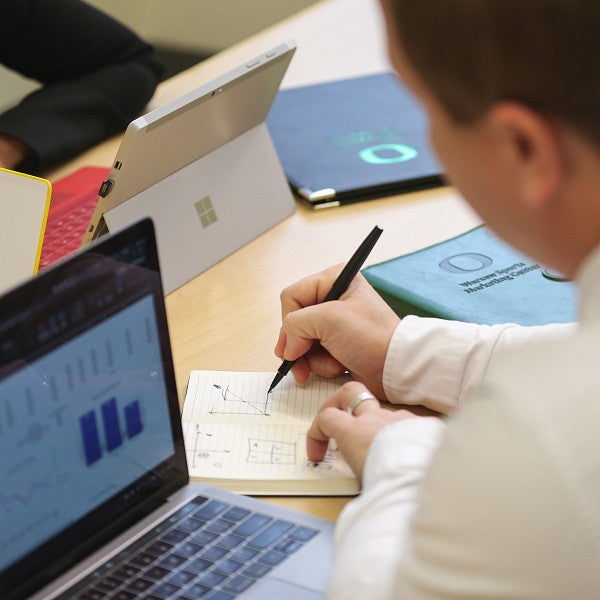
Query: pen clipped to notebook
(340, 285)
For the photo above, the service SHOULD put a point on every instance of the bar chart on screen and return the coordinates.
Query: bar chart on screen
(80, 422)
(114, 435)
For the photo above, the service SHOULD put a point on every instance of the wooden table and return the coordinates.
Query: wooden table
(228, 317)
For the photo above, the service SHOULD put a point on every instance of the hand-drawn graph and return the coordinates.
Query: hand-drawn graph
(235, 404)
(200, 451)
(271, 452)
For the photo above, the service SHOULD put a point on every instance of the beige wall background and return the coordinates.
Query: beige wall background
(200, 25)
(196, 26)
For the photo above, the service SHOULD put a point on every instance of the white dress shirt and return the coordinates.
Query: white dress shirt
(502, 498)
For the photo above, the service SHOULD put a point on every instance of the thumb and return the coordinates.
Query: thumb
(305, 326)
(329, 423)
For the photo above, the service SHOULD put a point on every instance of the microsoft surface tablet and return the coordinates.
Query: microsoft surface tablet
(204, 168)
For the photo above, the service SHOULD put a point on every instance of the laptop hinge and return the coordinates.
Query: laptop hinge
(101, 229)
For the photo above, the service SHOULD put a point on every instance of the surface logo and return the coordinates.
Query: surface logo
(206, 212)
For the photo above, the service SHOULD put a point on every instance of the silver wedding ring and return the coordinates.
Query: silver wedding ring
(358, 399)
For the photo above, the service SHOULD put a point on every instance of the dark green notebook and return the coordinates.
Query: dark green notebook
(474, 277)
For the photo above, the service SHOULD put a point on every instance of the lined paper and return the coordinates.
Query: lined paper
(234, 431)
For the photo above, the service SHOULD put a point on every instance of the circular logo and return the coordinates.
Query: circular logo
(387, 154)
(466, 262)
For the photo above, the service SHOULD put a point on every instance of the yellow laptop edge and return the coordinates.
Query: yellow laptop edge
(28, 205)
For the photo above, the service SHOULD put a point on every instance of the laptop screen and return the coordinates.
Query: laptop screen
(87, 406)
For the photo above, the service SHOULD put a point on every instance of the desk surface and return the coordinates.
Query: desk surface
(228, 317)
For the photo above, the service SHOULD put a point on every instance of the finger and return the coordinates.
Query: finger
(306, 326)
(301, 370)
(340, 398)
(316, 449)
(354, 392)
(317, 361)
(324, 424)
(323, 364)
(329, 423)
(317, 440)
(280, 345)
(326, 367)
(362, 402)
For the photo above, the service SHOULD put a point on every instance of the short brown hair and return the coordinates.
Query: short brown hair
(472, 53)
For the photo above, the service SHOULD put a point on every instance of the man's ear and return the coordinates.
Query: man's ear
(531, 143)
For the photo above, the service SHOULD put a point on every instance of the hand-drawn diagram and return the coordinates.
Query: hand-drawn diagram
(260, 451)
(236, 405)
(271, 452)
(199, 452)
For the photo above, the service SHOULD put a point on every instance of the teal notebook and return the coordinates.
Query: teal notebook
(474, 277)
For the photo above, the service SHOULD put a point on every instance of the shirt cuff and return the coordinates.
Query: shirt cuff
(402, 447)
(426, 361)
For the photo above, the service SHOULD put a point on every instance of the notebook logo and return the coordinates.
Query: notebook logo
(388, 154)
(466, 262)
(206, 212)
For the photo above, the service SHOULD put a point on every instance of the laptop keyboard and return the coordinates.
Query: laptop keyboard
(207, 549)
(65, 229)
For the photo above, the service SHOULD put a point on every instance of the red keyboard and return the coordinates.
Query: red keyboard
(74, 198)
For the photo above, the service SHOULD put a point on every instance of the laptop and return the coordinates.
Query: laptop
(24, 201)
(204, 168)
(74, 198)
(352, 139)
(95, 498)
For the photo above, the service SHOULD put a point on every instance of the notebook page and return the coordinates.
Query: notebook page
(240, 397)
(232, 430)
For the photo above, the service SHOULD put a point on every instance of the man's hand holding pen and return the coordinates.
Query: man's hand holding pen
(326, 292)
(332, 323)
(328, 338)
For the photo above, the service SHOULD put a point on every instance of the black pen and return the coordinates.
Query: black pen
(340, 285)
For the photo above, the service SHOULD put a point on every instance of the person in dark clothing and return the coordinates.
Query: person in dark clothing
(96, 75)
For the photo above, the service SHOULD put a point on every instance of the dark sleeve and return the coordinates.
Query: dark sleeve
(96, 76)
